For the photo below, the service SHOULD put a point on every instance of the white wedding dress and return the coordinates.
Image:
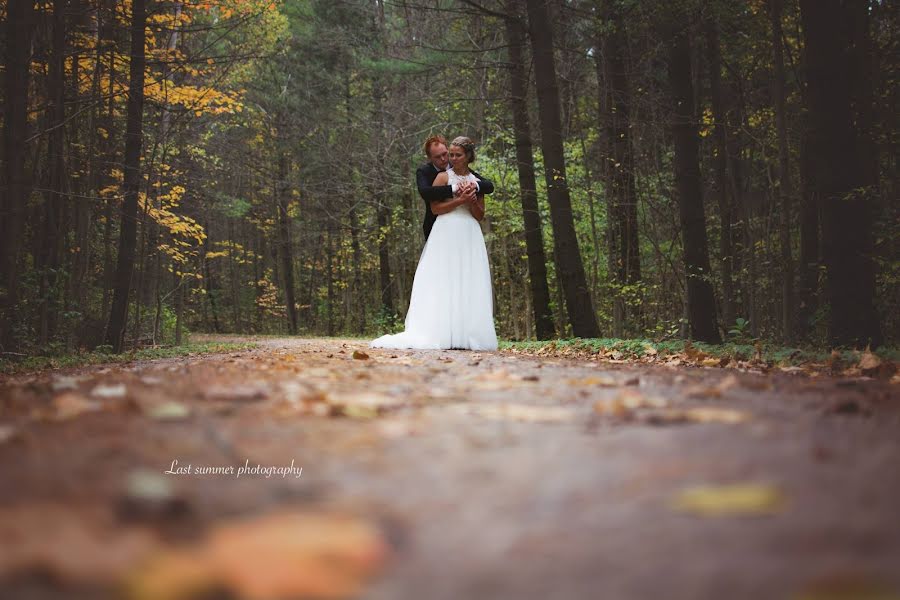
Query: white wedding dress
(451, 305)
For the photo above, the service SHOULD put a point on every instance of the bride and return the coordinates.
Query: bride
(451, 304)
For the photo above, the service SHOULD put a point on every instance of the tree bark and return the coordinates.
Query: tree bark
(48, 257)
(785, 185)
(115, 334)
(534, 239)
(723, 195)
(840, 179)
(285, 250)
(567, 255)
(383, 215)
(701, 305)
(621, 185)
(19, 29)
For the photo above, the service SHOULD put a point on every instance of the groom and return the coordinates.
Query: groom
(439, 160)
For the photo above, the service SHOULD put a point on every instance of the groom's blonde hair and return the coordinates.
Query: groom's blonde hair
(467, 145)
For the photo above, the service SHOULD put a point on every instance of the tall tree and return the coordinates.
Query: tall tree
(534, 240)
(134, 138)
(285, 247)
(49, 256)
(840, 181)
(19, 29)
(722, 183)
(567, 255)
(701, 304)
(620, 164)
(785, 190)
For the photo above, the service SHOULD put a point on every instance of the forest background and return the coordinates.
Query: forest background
(703, 169)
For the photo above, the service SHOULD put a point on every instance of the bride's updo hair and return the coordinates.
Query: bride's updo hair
(467, 145)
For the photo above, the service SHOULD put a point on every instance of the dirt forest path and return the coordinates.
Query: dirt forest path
(445, 475)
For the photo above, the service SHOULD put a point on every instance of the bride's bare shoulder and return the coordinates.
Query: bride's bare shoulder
(441, 179)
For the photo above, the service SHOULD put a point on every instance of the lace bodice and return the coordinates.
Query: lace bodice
(453, 178)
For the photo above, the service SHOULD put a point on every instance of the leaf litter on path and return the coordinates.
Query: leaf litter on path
(77, 546)
(69, 405)
(630, 405)
(283, 554)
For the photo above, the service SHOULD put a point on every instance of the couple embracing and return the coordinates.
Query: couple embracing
(451, 305)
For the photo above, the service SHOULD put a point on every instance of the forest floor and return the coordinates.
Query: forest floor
(446, 475)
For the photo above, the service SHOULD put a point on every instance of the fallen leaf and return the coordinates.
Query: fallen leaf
(703, 391)
(360, 355)
(109, 392)
(627, 402)
(149, 494)
(728, 383)
(730, 500)
(364, 405)
(872, 365)
(595, 382)
(279, 555)
(79, 546)
(521, 412)
(168, 411)
(69, 405)
(716, 415)
(496, 380)
(692, 353)
(62, 383)
(869, 361)
(238, 392)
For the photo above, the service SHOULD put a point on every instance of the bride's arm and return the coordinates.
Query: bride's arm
(439, 207)
(477, 207)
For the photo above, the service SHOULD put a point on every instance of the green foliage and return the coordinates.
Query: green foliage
(739, 332)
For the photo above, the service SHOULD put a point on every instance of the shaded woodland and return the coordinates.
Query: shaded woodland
(706, 169)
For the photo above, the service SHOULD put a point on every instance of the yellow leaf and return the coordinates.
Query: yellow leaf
(730, 500)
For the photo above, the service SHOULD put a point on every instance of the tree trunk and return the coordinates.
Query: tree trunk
(807, 298)
(179, 306)
(840, 179)
(212, 288)
(48, 261)
(285, 250)
(621, 171)
(383, 215)
(569, 266)
(785, 185)
(19, 28)
(108, 31)
(329, 249)
(358, 317)
(701, 304)
(534, 239)
(725, 200)
(115, 334)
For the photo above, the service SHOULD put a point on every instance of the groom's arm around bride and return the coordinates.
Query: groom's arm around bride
(436, 151)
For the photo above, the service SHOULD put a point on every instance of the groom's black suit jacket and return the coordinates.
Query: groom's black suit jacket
(425, 176)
